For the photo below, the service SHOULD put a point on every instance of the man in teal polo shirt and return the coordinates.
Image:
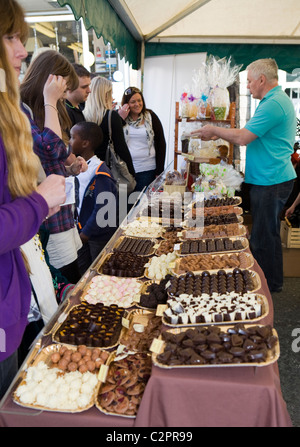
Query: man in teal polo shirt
(270, 137)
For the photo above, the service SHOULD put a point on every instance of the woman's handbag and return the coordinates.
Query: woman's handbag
(118, 167)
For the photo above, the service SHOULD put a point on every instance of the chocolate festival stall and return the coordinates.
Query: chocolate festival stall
(171, 326)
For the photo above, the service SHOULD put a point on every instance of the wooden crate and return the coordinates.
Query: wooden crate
(290, 237)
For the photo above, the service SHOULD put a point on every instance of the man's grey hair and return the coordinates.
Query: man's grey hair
(266, 67)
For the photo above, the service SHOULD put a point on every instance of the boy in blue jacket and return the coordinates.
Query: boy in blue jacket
(97, 194)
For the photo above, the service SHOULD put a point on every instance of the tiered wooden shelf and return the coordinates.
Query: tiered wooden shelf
(178, 119)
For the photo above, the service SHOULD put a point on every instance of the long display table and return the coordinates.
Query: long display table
(213, 396)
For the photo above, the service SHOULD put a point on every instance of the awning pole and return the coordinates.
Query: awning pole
(142, 63)
(85, 45)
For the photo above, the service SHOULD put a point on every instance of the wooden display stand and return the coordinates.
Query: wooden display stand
(196, 160)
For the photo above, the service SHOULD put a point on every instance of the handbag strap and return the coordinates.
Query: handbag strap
(111, 146)
(109, 126)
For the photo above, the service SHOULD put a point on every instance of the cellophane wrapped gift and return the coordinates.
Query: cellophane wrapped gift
(184, 105)
(200, 88)
(221, 75)
(217, 180)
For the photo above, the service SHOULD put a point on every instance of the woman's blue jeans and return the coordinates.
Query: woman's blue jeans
(267, 203)
(144, 179)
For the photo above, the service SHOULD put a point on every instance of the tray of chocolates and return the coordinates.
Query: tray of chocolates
(217, 245)
(93, 325)
(218, 202)
(172, 233)
(138, 246)
(163, 209)
(109, 290)
(60, 378)
(187, 310)
(215, 211)
(143, 229)
(121, 391)
(214, 346)
(198, 263)
(142, 327)
(237, 281)
(126, 265)
(222, 219)
(154, 294)
(213, 231)
(166, 246)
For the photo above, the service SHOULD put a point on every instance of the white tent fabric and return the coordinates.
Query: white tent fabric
(165, 77)
(266, 21)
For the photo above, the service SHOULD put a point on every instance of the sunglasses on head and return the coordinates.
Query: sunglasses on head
(131, 90)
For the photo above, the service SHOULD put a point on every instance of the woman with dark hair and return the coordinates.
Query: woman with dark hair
(43, 90)
(144, 136)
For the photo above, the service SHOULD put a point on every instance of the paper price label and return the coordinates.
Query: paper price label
(125, 323)
(157, 346)
(160, 309)
(62, 317)
(137, 298)
(103, 371)
(190, 157)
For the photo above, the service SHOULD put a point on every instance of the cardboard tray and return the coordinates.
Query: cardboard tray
(110, 363)
(194, 234)
(244, 240)
(273, 355)
(44, 355)
(248, 260)
(261, 299)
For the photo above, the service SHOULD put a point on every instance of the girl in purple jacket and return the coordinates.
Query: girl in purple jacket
(23, 204)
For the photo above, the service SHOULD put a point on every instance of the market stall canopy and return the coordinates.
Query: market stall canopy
(245, 30)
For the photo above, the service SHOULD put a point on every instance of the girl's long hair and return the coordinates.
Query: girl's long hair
(23, 164)
(46, 63)
(99, 100)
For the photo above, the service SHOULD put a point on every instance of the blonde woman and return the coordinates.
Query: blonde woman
(97, 107)
(23, 204)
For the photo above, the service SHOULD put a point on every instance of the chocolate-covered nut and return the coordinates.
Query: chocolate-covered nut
(208, 355)
(213, 338)
(216, 347)
(249, 344)
(256, 355)
(164, 357)
(196, 359)
(271, 341)
(188, 343)
(236, 340)
(237, 351)
(225, 357)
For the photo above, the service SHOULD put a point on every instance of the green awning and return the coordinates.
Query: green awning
(99, 15)
(286, 56)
